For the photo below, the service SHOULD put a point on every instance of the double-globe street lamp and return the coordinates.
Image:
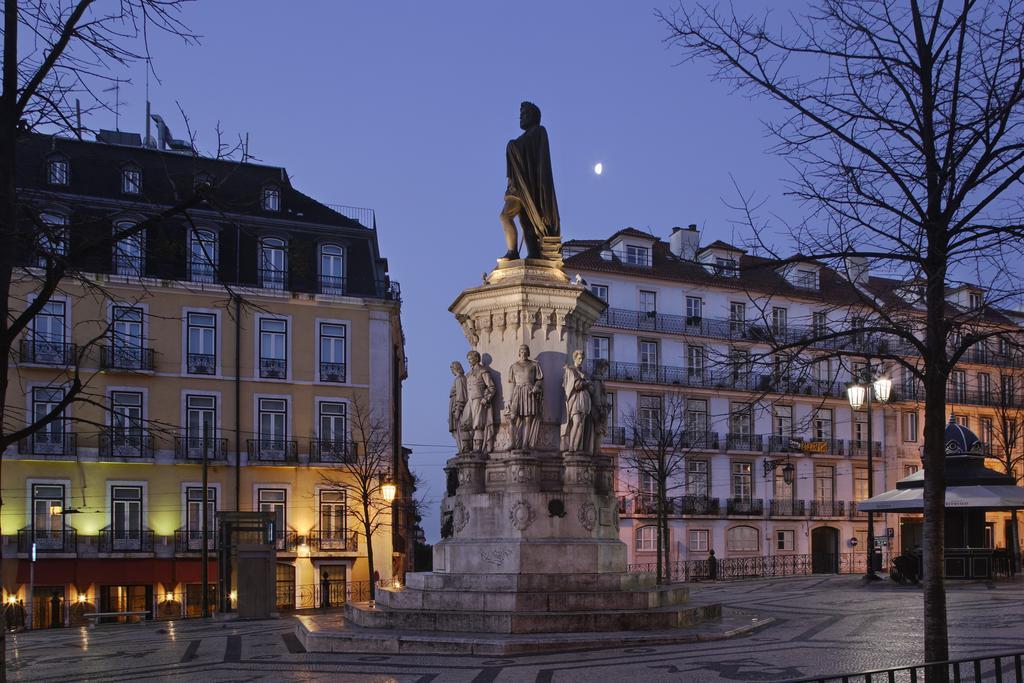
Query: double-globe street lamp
(862, 392)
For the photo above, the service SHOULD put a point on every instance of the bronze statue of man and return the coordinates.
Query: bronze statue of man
(531, 191)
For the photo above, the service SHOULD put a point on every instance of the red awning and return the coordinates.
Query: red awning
(121, 571)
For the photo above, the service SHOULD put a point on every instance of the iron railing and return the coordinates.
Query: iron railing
(126, 443)
(828, 508)
(331, 284)
(745, 506)
(362, 215)
(123, 357)
(202, 363)
(696, 505)
(43, 352)
(996, 397)
(311, 596)
(47, 540)
(50, 444)
(615, 436)
(125, 540)
(191, 540)
(855, 513)
(333, 541)
(330, 450)
(273, 368)
(763, 566)
(744, 442)
(703, 506)
(273, 450)
(332, 372)
(1004, 668)
(193, 448)
(786, 508)
(130, 266)
(286, 540)
(272, 278)
(857, 448)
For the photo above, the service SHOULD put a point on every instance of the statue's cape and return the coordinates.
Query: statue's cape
(529, 168)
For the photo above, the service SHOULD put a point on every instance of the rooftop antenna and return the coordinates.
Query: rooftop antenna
(148, 140)
(117, 102)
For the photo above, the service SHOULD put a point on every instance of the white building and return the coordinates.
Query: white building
(699, 323)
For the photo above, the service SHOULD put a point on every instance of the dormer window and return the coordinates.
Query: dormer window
(131, 180)
(638, 256)
(53, 239)
(975, 301)
(57, 171)
(727, 267)
(273, 263)
(805, 278)
(271, 198)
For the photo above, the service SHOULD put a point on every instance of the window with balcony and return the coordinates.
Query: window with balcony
(273, 348)
(962, 420)
(737, 317)
(819, 323)
(697, 482)
(821, 425)
(200, 424)
(638, 256)
(47, 516)
(694, 310)
(986, 431)
(782, 424)
(52, 238)
(194, 516)
(129, 252)
(650, 415)
(1009, 432)
(127, 437)
(201, 340)
(273, 269)
(695, 361)
(958, 386)
(600, 291)
(46, 342)
(648, 303)
(598, 348)
(51, 438)
(824, 483)
(57, 171)
(647, 539)
(985, 387)
(821, 371)
(780, 321)
(741, 425)
(273, 429)
(271, 198)
(742, 481)
(697, 417)
(860, 429)
(860, 483)
(332, 269)
(275, 501)
(648, 354)
(202, 256)
(332, 352)
(332, 431)
(126, 517)
(131, 180)
(739, 365)
(698, 540)
(1007, 391)
(782, 490)
(742, 539)
(910, 428)
(332, 520)
(126, 340)
(785, 539)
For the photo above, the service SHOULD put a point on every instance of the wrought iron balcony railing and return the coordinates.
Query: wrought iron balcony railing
(787, 507)
(48, 540)
(332, 372)
(43, 352)
(202, 271)
(201, 364)
(966, 396)
(745, 506)
(856, 513)
(828, 508)
(331, 284)
(122, 357)
(191, 540)
(700, 440)
(286, 540)
(50, 444)
(273, 450)
(331, 450)
(333, 541)
(126, 443)
(696, 505)
(193, 448)
(273, 278)
(859, 448)
(125, 540)
(131, 266)
(744, 442)
(273, 368)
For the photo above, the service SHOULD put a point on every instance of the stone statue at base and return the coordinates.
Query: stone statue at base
(526, 400)
(530, 194)
(477, 415)
(598, 407)
(456, 406)
(576, 432)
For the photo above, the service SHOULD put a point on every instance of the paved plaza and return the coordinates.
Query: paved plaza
(823, 624)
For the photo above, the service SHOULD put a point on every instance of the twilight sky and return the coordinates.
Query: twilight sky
(406, 106)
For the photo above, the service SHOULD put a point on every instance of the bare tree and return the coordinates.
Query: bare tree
(365, 467)
(660, 444)
(903, 127)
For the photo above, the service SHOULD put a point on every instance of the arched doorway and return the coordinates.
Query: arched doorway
(824, 550)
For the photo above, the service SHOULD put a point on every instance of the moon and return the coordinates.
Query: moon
(598, 168)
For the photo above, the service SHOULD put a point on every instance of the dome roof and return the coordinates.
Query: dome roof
(960, 440)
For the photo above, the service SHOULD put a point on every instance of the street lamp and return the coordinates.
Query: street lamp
(388, 490)
(860, 396)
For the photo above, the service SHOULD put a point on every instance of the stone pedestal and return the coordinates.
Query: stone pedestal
(531, 535)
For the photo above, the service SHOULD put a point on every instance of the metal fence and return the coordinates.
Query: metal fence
(311, 596)
(731, 568)
(1004, 668)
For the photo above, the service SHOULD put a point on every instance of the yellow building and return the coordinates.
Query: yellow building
(259, 319)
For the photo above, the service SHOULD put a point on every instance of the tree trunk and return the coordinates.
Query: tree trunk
(1013, 542)
(367, 532)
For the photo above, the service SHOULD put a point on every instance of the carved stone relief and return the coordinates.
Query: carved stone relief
(521, 515)
(460, 516)
(587, 515)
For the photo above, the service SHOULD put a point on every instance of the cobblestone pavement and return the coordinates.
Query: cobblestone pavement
(824, 624)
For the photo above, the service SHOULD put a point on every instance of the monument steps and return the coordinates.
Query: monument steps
(547, 601)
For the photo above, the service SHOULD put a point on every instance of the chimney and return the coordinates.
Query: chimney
(684, 242)
(858, 268)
